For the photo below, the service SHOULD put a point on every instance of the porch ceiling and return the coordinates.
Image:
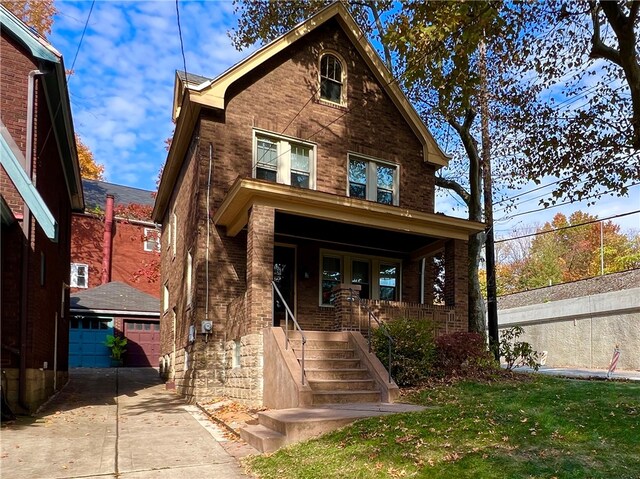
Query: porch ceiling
(234, 211)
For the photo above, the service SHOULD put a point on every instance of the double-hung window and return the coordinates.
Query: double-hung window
(331, 79)
(284, 160)
(151, 240)
(79, 275)
(378, 278)
(373, 180)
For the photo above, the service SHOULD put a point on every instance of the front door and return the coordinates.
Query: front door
(284, 275)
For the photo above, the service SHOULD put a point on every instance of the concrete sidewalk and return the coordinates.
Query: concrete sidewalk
(584, 373)
(112, 423)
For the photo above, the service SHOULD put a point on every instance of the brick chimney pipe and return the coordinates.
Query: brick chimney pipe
(106, 245)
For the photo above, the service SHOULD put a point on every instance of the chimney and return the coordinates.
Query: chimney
(106, 246)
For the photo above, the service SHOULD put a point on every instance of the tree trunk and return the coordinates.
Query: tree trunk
(473, 201)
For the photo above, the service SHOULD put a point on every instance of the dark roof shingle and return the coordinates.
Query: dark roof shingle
(115, 296)
(95, 194)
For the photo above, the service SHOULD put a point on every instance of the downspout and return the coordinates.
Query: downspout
(26, 246)
(422, 279)
(106, 245)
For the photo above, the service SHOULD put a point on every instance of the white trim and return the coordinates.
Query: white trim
(189, 274)
(372, 177)
(73, 281)
(343, 78)
(346, 259)
(149, 239)
(283, 152)
(115, 312)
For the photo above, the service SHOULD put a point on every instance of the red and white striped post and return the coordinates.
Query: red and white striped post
(614, 361)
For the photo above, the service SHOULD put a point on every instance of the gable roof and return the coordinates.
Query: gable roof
(57, 97)
(190, 96)
(95, 194)
(114, 296)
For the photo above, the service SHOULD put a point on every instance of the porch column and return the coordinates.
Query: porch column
(456, 288)
(343, 306)
(260, 230)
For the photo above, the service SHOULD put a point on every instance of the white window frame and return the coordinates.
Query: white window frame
(73, 279)
(189, 277)
(346, 273)
(343, 79)
(283, 152)
(372, 177)
(165, 297)
(151, 239)
(174, 232)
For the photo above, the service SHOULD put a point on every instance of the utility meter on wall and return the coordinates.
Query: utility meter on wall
(207, 327)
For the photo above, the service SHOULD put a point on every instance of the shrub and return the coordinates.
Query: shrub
(462, 353)
(413, 350)
(517, 353)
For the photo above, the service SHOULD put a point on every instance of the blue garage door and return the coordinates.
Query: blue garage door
(86, 342)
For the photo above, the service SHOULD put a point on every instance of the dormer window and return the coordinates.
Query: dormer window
(331, 79)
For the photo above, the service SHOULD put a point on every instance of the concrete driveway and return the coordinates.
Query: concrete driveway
(112, 423)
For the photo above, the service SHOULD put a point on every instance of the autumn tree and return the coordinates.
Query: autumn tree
(89, 168)
(38, 14)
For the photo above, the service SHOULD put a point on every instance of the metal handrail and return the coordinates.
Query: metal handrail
(286, 326)
(381, 325)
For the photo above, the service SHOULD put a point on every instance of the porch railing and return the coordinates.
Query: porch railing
(288, 314)
(371, 316)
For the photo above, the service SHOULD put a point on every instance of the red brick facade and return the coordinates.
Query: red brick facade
(35, 269)
(281, 97)
(128, 254)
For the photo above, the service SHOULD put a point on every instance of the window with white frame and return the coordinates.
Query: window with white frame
(373, 180)
(79, 275)
(331, 79)
(284, 160)
(378, 278)
(174, 232)
(151, 240)
(165, 297)
(189, 277)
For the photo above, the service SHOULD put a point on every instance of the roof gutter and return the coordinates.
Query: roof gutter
(115, 312)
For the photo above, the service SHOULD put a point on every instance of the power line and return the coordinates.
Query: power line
(563, 203)
(84, 30)
(568, 227)
(184, 60)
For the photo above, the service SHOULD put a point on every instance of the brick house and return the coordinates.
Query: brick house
(114, 279)
(305, 165)
(39, 188)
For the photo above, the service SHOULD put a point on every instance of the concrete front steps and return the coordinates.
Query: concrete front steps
(279, 427)
(334, 370)
(344, 382)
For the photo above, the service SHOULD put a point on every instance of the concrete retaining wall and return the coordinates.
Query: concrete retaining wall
(582, 332)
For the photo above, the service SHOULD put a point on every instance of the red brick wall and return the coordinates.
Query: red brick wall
(128, 254)
(45, 258)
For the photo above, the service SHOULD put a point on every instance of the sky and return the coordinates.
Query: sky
(121, 91)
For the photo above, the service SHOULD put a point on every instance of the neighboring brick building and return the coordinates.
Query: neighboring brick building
(134, 240)
(306, 165)
(115, 251)
(39, 188)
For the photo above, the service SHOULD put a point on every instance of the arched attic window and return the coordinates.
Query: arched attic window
(332, 77)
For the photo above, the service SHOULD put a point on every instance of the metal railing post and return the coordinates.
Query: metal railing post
(287, 313)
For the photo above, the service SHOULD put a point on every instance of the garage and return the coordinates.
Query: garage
(119, 309)
(143, 346)
(86, 342)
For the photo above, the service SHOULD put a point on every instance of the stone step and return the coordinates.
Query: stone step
(345, 397)
(311, 363)
(320, 335)
(344, 374)
(263, 438)
(299, 424)
(316, 353)
(320, 344)
(339, 385)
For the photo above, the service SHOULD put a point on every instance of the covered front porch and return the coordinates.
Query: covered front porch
(315, 245)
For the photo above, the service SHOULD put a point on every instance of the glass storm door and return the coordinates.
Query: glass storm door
(284, 267)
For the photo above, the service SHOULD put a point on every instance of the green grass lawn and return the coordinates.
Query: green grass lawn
(535, 428)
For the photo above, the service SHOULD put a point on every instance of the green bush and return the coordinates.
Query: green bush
(412, 353)
(462, 354)
(515, 352)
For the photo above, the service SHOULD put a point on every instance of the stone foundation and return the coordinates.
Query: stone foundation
(39, 387)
